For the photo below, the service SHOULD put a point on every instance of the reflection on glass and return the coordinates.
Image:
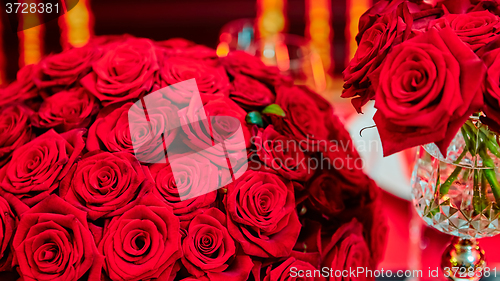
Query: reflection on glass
(294, 56)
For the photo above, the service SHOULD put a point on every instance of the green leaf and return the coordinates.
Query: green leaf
(274, 109)
(255, 118)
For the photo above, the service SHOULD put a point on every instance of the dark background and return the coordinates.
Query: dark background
(197, 20)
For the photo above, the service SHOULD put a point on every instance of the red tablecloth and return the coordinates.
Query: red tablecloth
(432, 242)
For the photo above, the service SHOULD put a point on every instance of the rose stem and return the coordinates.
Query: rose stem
(484, 190)
(488, 142)
(445, 187)
(469, 146)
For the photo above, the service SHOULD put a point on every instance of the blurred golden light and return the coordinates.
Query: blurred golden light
(30, 40)
(76, 25)
(318, 72)
(356, 9)
(222, 49)
(282, 57)
(320, 33)
(271, 17)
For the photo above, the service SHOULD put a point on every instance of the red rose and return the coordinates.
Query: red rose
(239, 62)
(15, 130)
(112, 132)
(283, 155)
(209, 250)
(340, 142)
(123, 73)
(342, 187)
(62, 70)
(359, 206)
(209, 79)
(304, 119)
(345, 163)
(466, 6)
(326, 194)
(492, 6)
(152, 135)
(387, 31)
(201, 133)
(105, 184)
(293, 269)
(143, 243)
(346, 250)
(194, 191)
(476, 29)
(7, 227)
(22, 89)
(422, 19)
(418, 8)
(66, 110)
(376, 230)
(250, 94)
(261, 214)
(53, 242)
(426, 89)
(337, 135)
(37, 167)
(308, 246)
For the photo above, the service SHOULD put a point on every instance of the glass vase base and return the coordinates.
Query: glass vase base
(463, 260)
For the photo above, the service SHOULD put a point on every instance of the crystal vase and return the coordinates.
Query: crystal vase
(459, 194)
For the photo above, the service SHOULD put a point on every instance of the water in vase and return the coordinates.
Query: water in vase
(456, 199)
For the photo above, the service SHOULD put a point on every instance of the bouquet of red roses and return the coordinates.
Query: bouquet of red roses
(78, 202)
(429, 68)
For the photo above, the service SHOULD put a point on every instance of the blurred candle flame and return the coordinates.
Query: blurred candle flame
(30, 40)
(271, 18)
(76, 25)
